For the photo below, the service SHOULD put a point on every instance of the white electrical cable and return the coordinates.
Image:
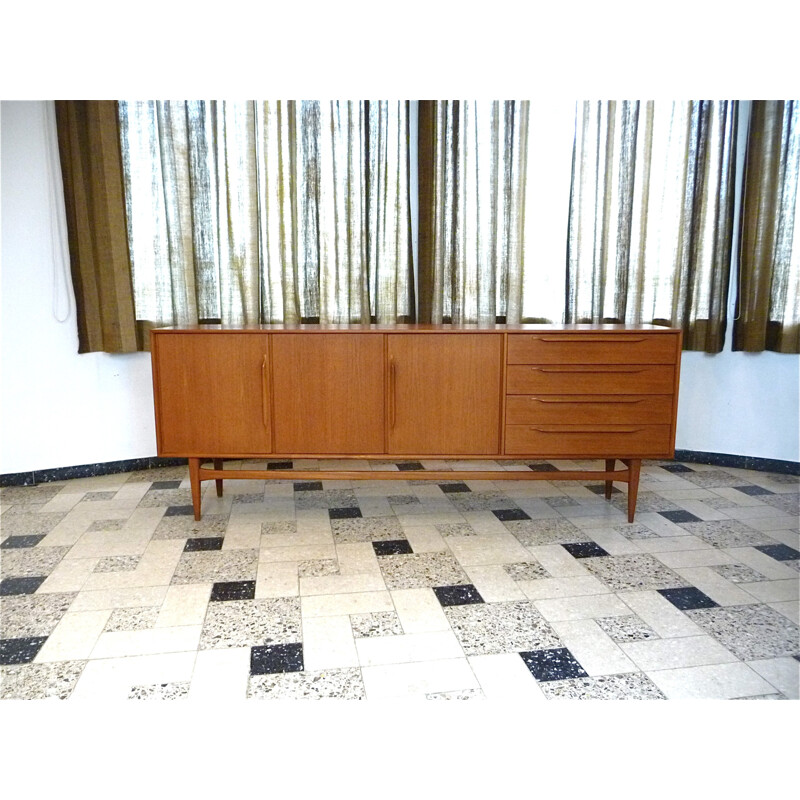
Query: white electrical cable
(62, 285)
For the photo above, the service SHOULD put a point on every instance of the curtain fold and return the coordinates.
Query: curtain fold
(471, 210)
(245, 212)
(651, 216)
(768, 301)
(92, 174)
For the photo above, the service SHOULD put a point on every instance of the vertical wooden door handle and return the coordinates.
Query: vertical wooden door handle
(264, 391)
(392, 393)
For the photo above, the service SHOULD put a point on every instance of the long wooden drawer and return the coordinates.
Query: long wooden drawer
(581, 379)
(621, 441)
(588, 409)
(592, 349)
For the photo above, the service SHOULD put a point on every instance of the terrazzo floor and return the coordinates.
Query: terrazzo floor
(372, 590)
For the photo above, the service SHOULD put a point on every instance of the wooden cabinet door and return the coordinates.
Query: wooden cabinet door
(328, 393)
(444, 393)
(212, 394)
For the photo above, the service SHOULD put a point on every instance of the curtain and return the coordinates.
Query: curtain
(768, 302)
(651, 215)
(247, 213)
(472, 164)
(91, 171)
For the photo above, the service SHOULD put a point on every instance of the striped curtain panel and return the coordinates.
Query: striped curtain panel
(651, 216)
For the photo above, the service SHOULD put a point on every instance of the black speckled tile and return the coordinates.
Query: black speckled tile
(280, 465)
(752, 490)
(165, 485)
(13, 542)
(450, 488)
(392, 547)
(409, 466)
(179, 511)
(679, 516)
(510, 514)
(206, 543)
(28, 585)
(459, 595)
(344, 513)
(601, 489)
(308, 486)
(233, 590)
(20, 651)
(676, 468)
(780, 552)
(687, 597)
(266, 659)
(584, 550)
(555, 664)
(542, 467)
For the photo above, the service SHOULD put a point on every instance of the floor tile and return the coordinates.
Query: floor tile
(553, 665)
(268, 659)
(715, 682)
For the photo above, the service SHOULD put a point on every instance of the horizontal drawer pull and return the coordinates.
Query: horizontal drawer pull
(581, 341)
(574, 429)
(593, 401)
(584, 371)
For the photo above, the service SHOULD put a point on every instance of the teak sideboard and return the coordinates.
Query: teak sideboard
(413, 392)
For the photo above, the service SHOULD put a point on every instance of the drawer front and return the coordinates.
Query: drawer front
(578, 379)
(627, 348)
(588, 409)
(584, 441)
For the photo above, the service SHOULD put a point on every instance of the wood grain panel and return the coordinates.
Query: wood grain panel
(445, 393)
(328, 393)
(620, 348)
(211, 393)
(590, 408)
(581, 441)
(595, 379)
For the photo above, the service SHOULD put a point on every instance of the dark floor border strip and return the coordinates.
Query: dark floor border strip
(739, 462)
(87, 471)
(112, 467)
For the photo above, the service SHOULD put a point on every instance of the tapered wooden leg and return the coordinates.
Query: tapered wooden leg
(218, 465)
(194, 479)
(634, 467)
(609, 484)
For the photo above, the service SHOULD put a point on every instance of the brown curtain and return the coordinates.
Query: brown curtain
(651, 214)
(472, 167)
(768, 303)
(91, 168)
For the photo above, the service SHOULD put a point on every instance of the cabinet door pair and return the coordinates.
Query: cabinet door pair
(328, 393)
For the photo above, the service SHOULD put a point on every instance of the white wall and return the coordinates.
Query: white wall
(57, 408)
(60, 409)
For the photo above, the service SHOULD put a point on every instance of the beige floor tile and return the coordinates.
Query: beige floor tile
(419, 610)
(547, 588)
(357, 558)
(771, 569)
(138, 597)
(184, 604)
(425, 539)
(719, 589)
(782, 673)
(75, 636)
(677, 653)
(336, 584)
(242, 537)
(277, 579)
(308, 552)
(557, 561)
(690, 557)
(100, 544)
(328, 643)
(221, 675)
(348, 603)
(415, 680)
(663, 617)
(494, 584)
(773, 591)
(716, 682)
(481, 550)
(504, 677)
(789, 608)
(593, 648)
(113, 678)
(70, 575)
(588, 607)
(429, 646)
(153, 641)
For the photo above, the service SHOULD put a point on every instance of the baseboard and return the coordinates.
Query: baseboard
(112, 467)
(87, 471)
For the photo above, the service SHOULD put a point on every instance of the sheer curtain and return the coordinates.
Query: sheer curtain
(651, 213)
(245, 212)
(768, 302)
(472, 165)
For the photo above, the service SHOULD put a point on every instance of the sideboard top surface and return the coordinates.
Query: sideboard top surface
(416, 328)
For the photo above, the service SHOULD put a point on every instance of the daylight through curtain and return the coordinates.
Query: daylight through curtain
(651, 214)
